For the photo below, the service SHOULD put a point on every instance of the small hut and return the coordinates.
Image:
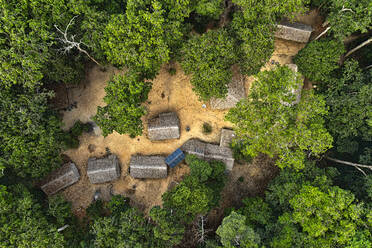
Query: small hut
(194, 147)
(298, 32)
(235, 93)
(101, 170)
(224, 154)
(148, 167)
(61, 178)
(209, 152)
(227, 136)
(164, 126)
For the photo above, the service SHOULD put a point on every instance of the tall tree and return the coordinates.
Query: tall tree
(23, 223)
(209, 58)
(349, 97)
(253, 28)
(233, 232)
(346, 17)
(270, 122)
(319, 59)
(123, 112)
(30, 133)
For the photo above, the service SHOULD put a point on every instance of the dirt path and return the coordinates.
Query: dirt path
(169, 93)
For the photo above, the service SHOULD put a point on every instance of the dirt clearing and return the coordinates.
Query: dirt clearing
(169, 93)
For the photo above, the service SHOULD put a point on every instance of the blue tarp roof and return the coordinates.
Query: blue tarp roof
(175, 158)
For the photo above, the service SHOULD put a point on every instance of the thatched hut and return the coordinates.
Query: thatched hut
(164, 126)
(227, 135)
(209, 152)
(194, 147)
(224, 154)
(298, 32)
(61, 178)
(101, 170)
(236, 92)
(148, 167)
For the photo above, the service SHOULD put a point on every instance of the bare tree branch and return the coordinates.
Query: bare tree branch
(359, 47)
(323, 33)
(355, 165)
(346, 9)
(70, 43)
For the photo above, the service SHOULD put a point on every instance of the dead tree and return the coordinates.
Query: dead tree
(355, 165)
(70, 43)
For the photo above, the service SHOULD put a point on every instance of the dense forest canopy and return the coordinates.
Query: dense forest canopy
(320, 138)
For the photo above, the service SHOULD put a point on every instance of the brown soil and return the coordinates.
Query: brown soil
(169, 93)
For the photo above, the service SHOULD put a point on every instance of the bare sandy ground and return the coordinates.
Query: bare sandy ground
(169, 93)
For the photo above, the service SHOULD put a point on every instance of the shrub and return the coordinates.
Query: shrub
(60, 209)
(319, 58)
(96, 209)
(207, 128)
(72, 136)
(209, 58)
(123, 112)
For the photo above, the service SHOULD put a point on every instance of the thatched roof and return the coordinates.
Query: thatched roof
(209, 152)
(164, 126)
(298, 32)
(224, 154)
(236, 92)
(61, 178)
(148, 167)
(195, 147)
(101, 170)
(227, 136)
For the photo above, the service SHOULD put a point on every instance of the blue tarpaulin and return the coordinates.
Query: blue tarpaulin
(175, 158)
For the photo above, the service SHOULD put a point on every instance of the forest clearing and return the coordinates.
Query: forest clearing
(185, 124)
(168, 93)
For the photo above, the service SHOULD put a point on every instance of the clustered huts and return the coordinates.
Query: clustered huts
(167, 126)
(107, 169)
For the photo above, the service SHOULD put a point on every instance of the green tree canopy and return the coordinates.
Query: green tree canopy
(253, 28)
(199, 192)
(143, 37)
(129, 229)
(305, 210)
(30, 133)
(123, 112)
(209, 58)
(349, 97)
(272, 122)
(348, 17)
(233, 232)
(23, 224)
(319, 58)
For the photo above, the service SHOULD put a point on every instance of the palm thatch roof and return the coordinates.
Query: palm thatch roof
(209, 152)
(148, 167)
(101, 170)
(164, 126)
(61, 178)
(298, 32)
(236, 92)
